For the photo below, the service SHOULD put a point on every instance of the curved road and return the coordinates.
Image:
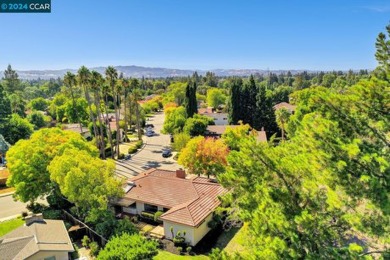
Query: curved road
(151, 154)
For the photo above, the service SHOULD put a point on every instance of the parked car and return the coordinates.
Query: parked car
(149, 133)
(166, 153)
(149, 125)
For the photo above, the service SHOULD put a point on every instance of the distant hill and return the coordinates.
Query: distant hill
(138, 72)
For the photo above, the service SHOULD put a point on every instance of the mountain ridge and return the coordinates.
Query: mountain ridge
(148, 72)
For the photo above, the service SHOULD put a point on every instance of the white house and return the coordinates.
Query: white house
(188, 204)
(219, 118)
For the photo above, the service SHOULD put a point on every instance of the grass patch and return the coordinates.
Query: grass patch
(7, 226)
(163, 255)
(233, 241)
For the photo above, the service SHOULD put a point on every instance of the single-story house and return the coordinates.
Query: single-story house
(39, 238)
(84, 131)
(219, 118)
(285, 105)
(216, 131)
(187, 204)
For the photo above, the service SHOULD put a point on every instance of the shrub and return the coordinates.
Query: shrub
(188, 249)
(36, 207)
(180, 249)
(94, 248)
(85, 241)
(24, 214)
(121, 156)
(147, 215)
(132, 149)
(157, 215)
(139, 144)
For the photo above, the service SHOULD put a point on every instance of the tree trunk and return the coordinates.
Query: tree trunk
(101, 135)
(87, 97)
(109, 127)
(125, 113)
(116, 121)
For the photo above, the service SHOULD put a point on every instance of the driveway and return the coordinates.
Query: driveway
(151, 154)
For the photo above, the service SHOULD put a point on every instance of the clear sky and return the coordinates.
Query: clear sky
(196, 34)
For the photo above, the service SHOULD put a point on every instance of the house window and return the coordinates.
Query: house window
(150, 208)
(50, 258)
(133, 206)
(165, 209)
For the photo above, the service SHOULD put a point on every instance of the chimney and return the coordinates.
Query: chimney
(33, 218)
(181, 173)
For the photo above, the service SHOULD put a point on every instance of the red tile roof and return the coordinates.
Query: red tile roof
(203, 111)
(285, 105)
(189, 201)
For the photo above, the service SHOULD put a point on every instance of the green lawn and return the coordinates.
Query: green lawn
(10, 225)
(232, 241)
(164, 255)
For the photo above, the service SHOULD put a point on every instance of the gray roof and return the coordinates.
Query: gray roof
(4, 146)
(25, 241)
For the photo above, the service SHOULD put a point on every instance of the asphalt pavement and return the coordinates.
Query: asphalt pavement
(150, 156)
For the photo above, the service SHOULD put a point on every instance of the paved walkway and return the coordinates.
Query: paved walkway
(151, 154)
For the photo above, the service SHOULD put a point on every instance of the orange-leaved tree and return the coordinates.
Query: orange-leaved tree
(205, 156)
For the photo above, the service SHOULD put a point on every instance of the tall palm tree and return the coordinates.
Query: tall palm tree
(96, 82)
(112, 78)
(136, 96)
(83, 78)
(70, 82)
(126, 85)
(282, 116)
(105, 92)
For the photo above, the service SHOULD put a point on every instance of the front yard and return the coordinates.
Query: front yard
(10, 225)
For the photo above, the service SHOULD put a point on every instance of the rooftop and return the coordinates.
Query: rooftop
(189, 200)
(285, 105)
(27, 240)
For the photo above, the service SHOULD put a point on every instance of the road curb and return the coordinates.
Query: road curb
(7, 194)
(9, 218)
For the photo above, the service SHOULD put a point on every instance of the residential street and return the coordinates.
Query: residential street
(151, 154)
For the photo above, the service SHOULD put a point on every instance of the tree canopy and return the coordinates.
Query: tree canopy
(129, 247)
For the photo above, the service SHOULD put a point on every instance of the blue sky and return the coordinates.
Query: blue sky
(189, 34)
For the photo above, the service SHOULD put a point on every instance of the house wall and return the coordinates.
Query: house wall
(178, 227)
(41, 255)
(202, 230)
(129, 210)
(140, 207)
(220, 118)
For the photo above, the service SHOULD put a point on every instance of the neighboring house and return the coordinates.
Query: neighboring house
(188, 204)
(219, 118)
(216, 131)
(4, 146)
(39, 238)
(289, 107)
(84, 131)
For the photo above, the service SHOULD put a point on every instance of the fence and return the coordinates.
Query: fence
(92, 234)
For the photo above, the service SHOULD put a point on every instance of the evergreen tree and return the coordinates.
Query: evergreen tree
(5, 106)
(234, 105)
(191, 103)
(11, 80)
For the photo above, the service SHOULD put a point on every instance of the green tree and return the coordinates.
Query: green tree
(112, 78)
(197, 125)
(70, 84)
(175, 119)
(234, 105)
(37, 119)
(129, 247)
(17, 104)
(96, 83)
(39, 103)
(282, 115)
(215, 97)
(181, 140)
(28, 161)
(16, 128)
(191, 104)
(382, 53)
(5, 106)
(11, 81)
(85, 179)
